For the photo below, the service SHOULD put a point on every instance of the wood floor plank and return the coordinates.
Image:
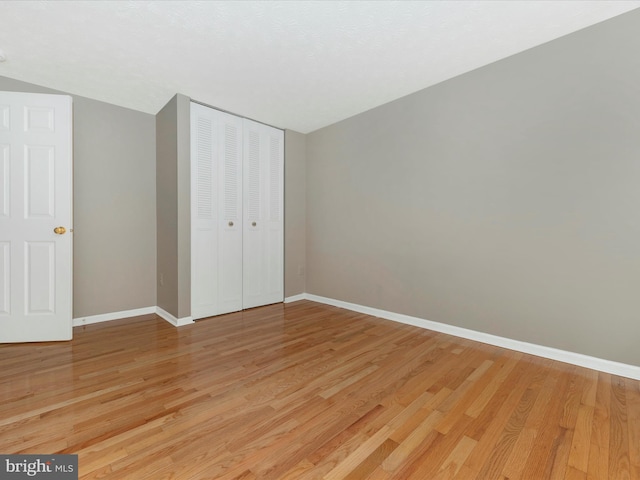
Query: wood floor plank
(581, 442)
(455, 461)
(521, 450)
(410, 443)
(494, 462)
(600, 432)
(549, 433)
(307, 391)
(492, 426)
(633, 416)
(619, 462)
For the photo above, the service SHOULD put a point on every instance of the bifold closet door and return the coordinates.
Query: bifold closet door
(237, 222)
(216, 212)
(263, 209)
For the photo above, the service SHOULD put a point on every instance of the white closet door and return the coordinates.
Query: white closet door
(216, 212)
(263, 243)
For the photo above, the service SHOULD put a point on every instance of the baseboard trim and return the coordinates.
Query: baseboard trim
(106, 317)
(295, 298)
(594, 363)
(176, 322)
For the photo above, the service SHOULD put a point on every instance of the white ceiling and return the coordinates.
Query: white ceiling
(293, 64)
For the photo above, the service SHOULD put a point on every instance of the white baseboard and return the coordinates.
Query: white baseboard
(295, 298)
(176, 322)
(106, 317)
(602, 365)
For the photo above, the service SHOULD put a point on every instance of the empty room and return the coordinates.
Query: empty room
(320, 240)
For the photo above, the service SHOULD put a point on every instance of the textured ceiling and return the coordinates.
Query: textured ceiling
(293, 64)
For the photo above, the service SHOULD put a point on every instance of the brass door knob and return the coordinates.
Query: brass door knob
(253, 224)
(231, 224)
(59, 230)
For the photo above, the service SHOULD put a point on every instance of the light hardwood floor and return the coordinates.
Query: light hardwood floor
(308, 391)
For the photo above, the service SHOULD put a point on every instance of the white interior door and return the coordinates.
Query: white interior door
(263, 234)
(216, 212)
(35, 217)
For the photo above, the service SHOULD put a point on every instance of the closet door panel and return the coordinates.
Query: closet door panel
(263, 224)
(216, 213)
(204, 221)
(253, 251)
(274, 275)
(204, 283)
(229, 191)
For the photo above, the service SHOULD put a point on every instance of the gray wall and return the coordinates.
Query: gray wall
(167, 206)
(295, 185)
(184, 206)
(173, 207)
(506, 200)
(114, 205)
